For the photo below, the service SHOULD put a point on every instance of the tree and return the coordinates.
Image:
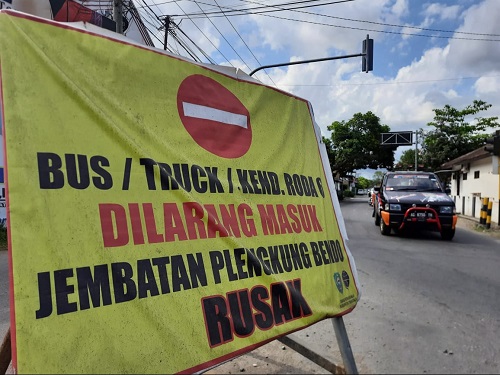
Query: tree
(407, 160)
(329, 151)
(362, 182)
(355, 144)
(377, 178)
(453, 135)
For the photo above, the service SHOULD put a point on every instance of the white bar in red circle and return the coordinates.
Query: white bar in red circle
(214, 114)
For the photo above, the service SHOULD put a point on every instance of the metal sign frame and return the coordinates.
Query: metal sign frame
(404, 138)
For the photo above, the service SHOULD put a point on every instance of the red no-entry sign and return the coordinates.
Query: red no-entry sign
(214, 117)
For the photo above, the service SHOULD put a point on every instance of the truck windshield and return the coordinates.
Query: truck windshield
(412, 182)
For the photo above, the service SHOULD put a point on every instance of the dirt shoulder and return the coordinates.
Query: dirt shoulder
(473, 225)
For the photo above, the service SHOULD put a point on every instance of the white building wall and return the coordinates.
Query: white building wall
(480, 183)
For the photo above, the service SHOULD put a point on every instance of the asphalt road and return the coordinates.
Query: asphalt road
(427, 306)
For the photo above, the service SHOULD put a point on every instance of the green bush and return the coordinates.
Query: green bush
(348, 194)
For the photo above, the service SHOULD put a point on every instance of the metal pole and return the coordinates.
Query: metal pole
(344, 346)
(303, 349)
(416, 149)
(118, 15)
(306, 61)
(167, 28)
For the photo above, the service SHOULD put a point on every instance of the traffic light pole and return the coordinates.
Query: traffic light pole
(367, 55)
(305, 62)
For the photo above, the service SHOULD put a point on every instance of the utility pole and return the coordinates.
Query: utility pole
(168, 20)
(416, 150)
(118, 15)
(493, 147)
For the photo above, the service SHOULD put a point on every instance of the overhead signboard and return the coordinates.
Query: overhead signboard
(404, 138)
(164, 216)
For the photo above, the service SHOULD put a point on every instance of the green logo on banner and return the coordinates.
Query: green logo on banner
(338, 282)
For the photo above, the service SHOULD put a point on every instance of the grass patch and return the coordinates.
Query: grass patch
(493, 231)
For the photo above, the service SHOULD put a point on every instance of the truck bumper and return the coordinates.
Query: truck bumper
(423, 217)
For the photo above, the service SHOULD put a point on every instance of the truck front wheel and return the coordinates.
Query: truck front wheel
(384, 229)
(447, 234)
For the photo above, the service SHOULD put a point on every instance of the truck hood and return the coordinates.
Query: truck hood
(410, 197)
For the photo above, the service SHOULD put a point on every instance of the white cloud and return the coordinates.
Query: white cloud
(318, 36)
(487, 84)
(441, 11)
(406, 97)
(431, 81)
(402, 102)
(473, 57)
(400, 8)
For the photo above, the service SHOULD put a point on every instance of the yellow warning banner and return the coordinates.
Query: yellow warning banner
(164, 216)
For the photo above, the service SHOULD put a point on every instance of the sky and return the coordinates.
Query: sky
(426, 53)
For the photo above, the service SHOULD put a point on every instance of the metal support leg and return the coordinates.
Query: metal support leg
(302, 348)
(344, 346)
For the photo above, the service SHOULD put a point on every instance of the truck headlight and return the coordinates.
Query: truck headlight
(394, 207)
(446, 210)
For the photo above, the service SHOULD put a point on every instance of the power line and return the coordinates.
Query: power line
(130, 6)
(262, 13)
(186, 48)
(241, 58)
(278, 8)
(199, 49)
(265, 6)
(152, 11)
(385, 24)
(393, 83)
(255, 57)
(151, 14)
(153, 25)
(176, 3)
(382, 31)
(191, 52)
(405, 26)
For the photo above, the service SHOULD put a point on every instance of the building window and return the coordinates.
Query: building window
(476, 174)
(464, 176)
